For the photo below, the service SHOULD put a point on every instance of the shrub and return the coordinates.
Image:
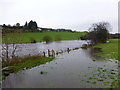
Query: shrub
(33, 40)
(99, 32)
(47, 39)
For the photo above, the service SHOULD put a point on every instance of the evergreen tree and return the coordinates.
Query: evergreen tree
(32, 25)
(26, 25)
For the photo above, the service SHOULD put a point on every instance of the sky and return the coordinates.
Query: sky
(77, 15)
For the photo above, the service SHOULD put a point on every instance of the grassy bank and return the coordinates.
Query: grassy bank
(109, 50)
(26, 37)
(16, 65)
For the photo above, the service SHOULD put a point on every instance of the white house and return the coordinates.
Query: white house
(39, 29)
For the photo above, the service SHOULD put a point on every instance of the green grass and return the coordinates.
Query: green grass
(109, 50)
(25, 63)
(30, 63)
(38, 36)
(18, 64)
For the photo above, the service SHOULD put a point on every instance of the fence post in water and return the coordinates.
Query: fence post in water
(61, 51)
(56, 52)
(48, 53)
(53, 53)
(43, 54)
(68, 50)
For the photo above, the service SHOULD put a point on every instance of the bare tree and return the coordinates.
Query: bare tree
(9, 45)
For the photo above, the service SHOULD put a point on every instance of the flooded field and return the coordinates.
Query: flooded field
(37, 48)
(77, 69)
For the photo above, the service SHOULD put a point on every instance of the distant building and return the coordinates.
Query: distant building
(1, 27)
(39, 29)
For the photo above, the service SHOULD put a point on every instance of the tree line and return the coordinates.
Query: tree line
(32, 26)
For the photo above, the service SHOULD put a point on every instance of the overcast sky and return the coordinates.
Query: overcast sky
(70, 14)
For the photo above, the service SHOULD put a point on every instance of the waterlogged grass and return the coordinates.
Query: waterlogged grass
(103, 76)
(26, 63)
(106, 77)
(26, 37)
(109, 50)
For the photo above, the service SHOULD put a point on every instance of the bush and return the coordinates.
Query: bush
(84, 37)
(99, 32)
(47, 39)
(33, 40)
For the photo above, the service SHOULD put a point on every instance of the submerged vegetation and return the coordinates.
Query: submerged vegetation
(103, 76)
(106, 76)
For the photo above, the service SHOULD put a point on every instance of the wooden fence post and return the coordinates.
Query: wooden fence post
(49, 53)
(56, 52)
(43, 54)
(68, 50)
(53, 53)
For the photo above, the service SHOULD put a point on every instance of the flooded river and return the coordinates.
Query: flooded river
(37, 48)
(76, 69)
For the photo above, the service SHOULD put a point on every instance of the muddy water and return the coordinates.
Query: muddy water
(68, 70)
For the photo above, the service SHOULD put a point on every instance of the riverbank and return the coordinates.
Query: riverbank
(18, 64)
(109, 50)
(28, 37)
